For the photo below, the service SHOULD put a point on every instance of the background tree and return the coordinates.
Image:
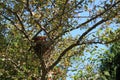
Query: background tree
(55, 19)
(110, 63)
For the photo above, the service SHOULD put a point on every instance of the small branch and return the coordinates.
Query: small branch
(20, 21)
(114, 40)
(63, 11)
(15, 13)
(26, 36)
(23, 29)
(101, 42)
(27, 6)
(27, 3)
(16, 65)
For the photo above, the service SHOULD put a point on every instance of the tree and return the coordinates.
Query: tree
(55, 19)
(110, 63)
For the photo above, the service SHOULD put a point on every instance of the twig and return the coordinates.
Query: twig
(17, 27)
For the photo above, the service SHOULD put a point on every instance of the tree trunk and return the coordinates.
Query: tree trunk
(118, 73)
(43, 77)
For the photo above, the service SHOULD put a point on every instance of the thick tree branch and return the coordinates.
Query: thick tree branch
(61, 55)
(43, 67)
(90, 29)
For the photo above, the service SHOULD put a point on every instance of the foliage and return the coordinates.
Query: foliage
(55, 19)
(110, 63)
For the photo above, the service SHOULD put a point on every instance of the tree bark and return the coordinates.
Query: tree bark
(118, 73)
(43, 77)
